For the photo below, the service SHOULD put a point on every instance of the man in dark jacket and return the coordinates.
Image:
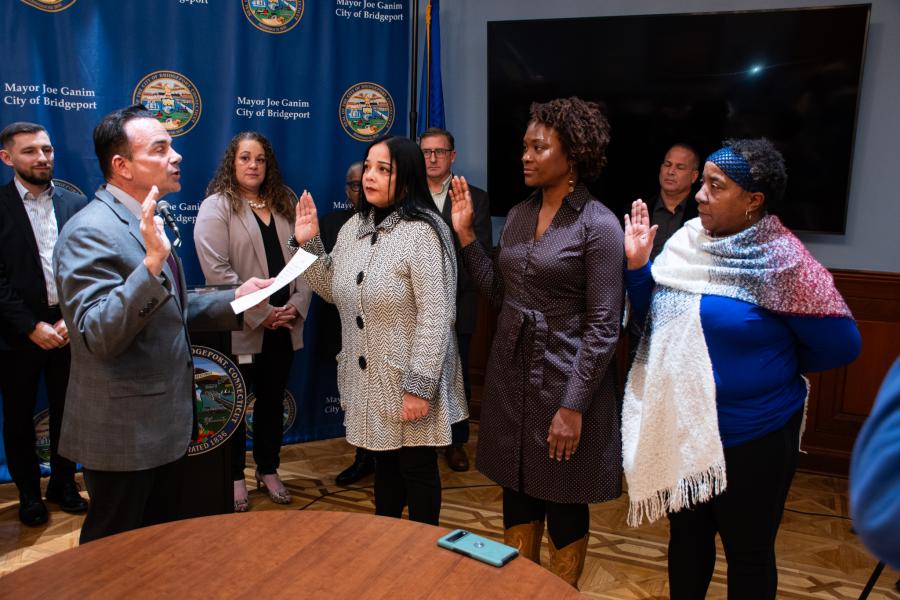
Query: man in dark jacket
(34, 340)
(439, 149)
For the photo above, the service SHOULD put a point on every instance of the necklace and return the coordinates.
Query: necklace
(258, 205)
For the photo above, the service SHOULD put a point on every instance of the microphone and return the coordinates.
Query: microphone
(165, 211)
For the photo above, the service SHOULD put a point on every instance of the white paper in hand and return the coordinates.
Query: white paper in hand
(291, 271)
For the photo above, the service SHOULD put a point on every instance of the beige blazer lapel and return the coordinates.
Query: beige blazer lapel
(253, 238)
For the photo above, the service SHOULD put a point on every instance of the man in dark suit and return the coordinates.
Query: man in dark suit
(33, 336)
(129, 406)
(329, 331)
(674, 205)
(439, 149)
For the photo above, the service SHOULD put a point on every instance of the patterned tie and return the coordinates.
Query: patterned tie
(173, 266)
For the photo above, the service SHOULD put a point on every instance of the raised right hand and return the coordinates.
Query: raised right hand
(462, 213)
(155, 240)
(638, 235)
(306, 225)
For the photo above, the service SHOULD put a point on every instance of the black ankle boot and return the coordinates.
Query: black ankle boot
(363, 465)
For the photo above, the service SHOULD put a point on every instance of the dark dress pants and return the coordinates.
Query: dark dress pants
(746, 517)
(126, 500)
(266, 377)
(408, 476)
(20, 374)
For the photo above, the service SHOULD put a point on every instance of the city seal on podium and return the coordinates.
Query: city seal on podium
(220, 397)
(172, 98)
(273, 16)
(68, 186)
(289, 413)
(366, 111)
(51, 6)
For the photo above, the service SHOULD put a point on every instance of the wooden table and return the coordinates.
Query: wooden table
(278, 554)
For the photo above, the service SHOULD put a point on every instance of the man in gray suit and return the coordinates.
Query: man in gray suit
(129, 405)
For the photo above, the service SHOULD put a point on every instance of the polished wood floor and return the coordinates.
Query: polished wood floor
(818, 556)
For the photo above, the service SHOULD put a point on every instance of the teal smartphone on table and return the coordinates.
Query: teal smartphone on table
(469, 544)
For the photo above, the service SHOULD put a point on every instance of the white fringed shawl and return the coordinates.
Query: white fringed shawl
(672, 452)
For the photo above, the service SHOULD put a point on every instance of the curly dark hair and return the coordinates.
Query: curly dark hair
(273, 190)
(582, 128)
(766, 165)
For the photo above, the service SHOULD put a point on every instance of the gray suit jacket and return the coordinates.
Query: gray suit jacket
(129, 403)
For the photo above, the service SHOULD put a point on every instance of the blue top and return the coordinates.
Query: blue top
(757, 357)
(875, 474)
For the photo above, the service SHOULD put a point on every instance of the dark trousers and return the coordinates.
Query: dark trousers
(566, 523)
(459, 432)
(746, 517)
(20, 374)
(408, 476)
(266, 377)
(126, 500)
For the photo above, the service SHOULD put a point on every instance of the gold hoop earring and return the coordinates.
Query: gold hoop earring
(748, 214)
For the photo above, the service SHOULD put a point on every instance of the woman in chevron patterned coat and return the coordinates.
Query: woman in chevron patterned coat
(392, 275)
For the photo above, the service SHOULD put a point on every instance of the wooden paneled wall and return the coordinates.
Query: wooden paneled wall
(840, 399)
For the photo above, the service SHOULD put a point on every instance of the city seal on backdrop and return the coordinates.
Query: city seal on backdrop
(67, 185)
(172, 98)
(289, 413)
(273, 16)
(51, 6)
(366, 111)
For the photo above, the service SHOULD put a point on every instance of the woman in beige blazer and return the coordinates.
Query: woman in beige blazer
(241, 232)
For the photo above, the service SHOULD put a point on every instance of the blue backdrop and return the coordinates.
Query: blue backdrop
(318, 78)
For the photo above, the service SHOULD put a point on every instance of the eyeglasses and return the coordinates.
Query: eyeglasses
(438, 152)
(354, 186)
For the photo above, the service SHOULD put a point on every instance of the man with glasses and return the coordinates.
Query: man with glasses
(440, 152)
(329, 336)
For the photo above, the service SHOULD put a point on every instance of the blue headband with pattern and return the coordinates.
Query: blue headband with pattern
(736, 167)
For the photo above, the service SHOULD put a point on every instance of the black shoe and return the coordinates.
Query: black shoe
(67, 496)
(32, 511)
(457, 458)
(359, 469)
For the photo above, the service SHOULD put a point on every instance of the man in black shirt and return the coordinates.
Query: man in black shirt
(674, 205)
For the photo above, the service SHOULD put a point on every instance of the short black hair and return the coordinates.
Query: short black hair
(767, 166)
(110, 137)
(435, 131)
(14, 129)
(582, 128)
(690, 149)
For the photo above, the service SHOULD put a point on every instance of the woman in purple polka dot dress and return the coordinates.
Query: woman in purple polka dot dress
(549, 420)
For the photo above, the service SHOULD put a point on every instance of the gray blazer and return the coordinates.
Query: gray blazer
(129, 403)
(230, 248)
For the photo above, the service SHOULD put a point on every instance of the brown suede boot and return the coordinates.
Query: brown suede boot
(526, 538)
(567, 562)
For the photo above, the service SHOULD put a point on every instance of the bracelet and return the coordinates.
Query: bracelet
(292, 242)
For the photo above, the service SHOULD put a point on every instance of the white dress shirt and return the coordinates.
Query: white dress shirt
(43, 223)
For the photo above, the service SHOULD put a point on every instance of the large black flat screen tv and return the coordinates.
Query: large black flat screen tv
(792, 76)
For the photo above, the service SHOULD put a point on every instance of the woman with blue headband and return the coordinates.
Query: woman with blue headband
(735, 309)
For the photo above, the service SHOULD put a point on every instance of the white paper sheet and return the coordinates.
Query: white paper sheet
(291, 271)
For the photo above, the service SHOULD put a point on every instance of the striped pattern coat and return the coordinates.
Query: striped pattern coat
(395, 289)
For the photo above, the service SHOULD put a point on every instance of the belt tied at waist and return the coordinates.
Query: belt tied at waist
(531, 321)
